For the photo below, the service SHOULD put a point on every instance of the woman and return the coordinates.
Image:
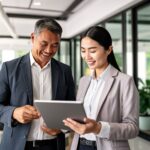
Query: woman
(110, 98)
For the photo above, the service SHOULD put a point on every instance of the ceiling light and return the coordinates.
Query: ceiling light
(37, 3)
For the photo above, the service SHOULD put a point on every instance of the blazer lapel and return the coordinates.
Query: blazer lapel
(27, 77)
(108, 84)
(55, 76)
(83, 88)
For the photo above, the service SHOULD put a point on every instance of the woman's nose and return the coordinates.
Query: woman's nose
(87, 55)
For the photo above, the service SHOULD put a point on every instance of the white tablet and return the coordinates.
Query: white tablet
(55, 111)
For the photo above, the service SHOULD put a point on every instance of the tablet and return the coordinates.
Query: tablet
(55, 111)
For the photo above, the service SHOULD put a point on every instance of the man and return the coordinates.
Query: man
(34, 76)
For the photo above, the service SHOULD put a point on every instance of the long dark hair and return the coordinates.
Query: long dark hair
(102, 36)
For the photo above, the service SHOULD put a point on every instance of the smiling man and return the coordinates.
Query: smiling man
(34, 76)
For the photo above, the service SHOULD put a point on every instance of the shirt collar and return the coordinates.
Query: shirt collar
(103, 75)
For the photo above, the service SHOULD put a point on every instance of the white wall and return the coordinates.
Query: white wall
(94, 12)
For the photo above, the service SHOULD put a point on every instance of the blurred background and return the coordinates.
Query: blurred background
(127, 21)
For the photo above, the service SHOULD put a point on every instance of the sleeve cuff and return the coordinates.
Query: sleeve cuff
(13, 121)
(105, 130)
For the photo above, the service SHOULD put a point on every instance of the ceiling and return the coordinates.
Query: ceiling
(17, 17)
(59, 9)
(22, 14)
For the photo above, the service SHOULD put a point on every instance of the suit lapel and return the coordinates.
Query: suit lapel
(105, 91)
(27, 77)
(83, 88)
(108, 84)
(55, 76)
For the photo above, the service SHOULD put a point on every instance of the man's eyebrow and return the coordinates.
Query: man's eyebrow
(56, 43)
(44, 41)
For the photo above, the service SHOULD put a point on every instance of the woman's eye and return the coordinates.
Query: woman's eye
(82, 51)
(92, 51)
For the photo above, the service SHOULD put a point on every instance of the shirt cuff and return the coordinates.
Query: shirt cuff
(105, 130)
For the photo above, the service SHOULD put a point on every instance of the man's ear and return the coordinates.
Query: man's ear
(32, 37)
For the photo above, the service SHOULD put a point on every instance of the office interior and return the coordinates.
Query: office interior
(127, 21)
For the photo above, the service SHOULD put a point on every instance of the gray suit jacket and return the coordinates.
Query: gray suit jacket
(16, 90)
(119, 106)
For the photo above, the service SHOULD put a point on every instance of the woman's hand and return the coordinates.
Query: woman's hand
(89, 126)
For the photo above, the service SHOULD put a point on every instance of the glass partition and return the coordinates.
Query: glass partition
(129, 55)
(78, 60)
(65, 52)
(143, 19)
(114, 26)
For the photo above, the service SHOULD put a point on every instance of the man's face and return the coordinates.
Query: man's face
(45, 45)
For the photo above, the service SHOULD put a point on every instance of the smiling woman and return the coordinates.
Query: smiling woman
(97, 51)
(110, 98)
(94, 54)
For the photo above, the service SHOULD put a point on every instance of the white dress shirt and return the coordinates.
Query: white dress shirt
(41, 82)
(91, 103)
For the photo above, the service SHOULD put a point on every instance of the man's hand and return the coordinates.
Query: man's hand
(25, 114)
(49, 131)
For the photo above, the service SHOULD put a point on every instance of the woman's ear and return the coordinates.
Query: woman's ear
(109, 50)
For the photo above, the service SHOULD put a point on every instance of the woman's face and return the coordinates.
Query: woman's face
(94, 54)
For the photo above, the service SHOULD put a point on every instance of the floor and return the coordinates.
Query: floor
(135, 144)
(139, 144)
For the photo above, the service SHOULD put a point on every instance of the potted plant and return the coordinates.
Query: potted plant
(144, 93)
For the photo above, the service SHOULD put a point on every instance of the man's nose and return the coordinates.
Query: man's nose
(49, 49)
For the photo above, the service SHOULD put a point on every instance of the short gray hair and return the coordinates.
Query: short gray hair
(48, 23)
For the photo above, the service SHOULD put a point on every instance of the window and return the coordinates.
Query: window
(65, 52)
(144, 43)
(114, 27)
(129, 61)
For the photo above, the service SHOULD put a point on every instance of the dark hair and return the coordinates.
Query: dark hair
(102, 36)
(49, 24)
